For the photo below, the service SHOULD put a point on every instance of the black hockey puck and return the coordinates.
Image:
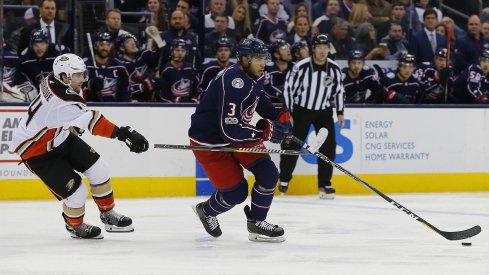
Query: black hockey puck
(466, 244)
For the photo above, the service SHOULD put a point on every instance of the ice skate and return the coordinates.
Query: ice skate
(283, 187)
(210, 223)
(115, 222)
(84, 231)
(262, 231)
(326, 193)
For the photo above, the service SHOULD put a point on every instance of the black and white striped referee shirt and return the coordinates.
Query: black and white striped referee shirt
(315, 87)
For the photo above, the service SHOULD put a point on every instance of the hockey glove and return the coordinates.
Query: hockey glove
(273, 131)
(283, 116)
(135, 141)
(96, 84)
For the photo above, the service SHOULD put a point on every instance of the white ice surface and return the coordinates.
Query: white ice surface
(349, 235)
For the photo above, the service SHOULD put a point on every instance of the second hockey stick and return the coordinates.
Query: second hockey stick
(452, 236)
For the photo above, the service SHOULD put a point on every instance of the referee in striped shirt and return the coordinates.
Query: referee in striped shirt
(312, 88)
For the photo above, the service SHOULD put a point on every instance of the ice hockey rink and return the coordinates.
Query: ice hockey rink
(349, 235)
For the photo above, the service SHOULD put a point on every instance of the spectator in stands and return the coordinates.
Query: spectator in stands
(442, 29)
(185, 7)
(270, 27)
(423, 5)
(282, 13)
(455, 31)
(300, 10)
(299, 51)
(361, 83)
(366, 39)
(36, 62)
(131, 6)
(140, 65)
(109, 79)
(207, 71)
(31, 17)
(177, 82)
(434, 78)
(319, 8)
(402, 86)
(158, 16)
(485, 29)
(274, 82)
(359, 14)
(413, 22)
(217, 7)
(398, 13)
(468, 49)
(396, 44)
(220, 30)
(472, 85)
(242, 22)
(381, 12)
(324, 23)
(177, 31)
(301, 30)
(425, 43)
(58, 33)
(341, 39)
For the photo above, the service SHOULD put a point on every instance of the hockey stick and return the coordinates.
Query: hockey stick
(230, 149)
(452, 236)
(90, 47)
(320, 138)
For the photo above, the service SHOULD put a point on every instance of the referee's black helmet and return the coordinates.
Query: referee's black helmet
(321, 39)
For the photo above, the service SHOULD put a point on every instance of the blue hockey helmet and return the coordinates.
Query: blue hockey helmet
(223, 42)
(277, 44)
(297, 46)
(103, 37)
(407, 59)
(38, 36)
(119, 42)
(252, 47)
(484, 54)
(178, 43)
(356, 55)
(443, 53)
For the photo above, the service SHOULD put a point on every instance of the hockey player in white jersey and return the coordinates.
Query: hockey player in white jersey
(55, 154)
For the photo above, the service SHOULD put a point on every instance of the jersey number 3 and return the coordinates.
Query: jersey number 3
(232, 109)
(33, 108)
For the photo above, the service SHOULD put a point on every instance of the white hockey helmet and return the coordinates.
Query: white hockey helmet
(69, 64)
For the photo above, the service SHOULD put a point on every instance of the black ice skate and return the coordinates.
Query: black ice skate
(210, 223)
(326, 193)
(84, 231)
(115, 222)
(262, 231)
(282, 187)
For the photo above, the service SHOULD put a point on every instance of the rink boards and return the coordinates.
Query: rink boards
(429, 149)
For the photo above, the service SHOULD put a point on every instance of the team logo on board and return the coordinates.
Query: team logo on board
(237, 83)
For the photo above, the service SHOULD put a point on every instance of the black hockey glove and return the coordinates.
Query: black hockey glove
(135, 141)
(96, 84)
(274, 131)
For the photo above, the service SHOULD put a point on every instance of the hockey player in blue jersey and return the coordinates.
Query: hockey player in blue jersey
(140, 65)
(209, 70)
(361, 82)
(16, 86)
(178, 81)
(435, 78)
(36, 61)
(472, 85)
(275, 72)
(223, 118)
(109, 79)
(402, 86)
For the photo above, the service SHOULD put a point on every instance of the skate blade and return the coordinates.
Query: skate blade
(194, 207)
(74, 236)
(254, 237)
(115, 229)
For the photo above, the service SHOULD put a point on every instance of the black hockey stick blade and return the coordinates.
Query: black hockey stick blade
(461, 235)
(452, 236)
(231, 149)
